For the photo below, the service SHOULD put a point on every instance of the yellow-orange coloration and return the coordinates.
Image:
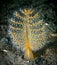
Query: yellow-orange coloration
(27, 11)
(15, 22)
(29, 32)
(28, 54)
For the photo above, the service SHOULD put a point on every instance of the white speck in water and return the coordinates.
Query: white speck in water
(5, 50)
(46, 23)
(28, 61)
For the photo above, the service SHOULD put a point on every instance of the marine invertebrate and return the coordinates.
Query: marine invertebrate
(28, 31)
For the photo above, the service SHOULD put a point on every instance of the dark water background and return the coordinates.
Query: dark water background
(49, 56)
